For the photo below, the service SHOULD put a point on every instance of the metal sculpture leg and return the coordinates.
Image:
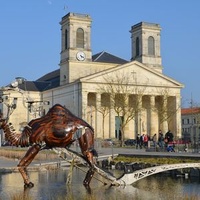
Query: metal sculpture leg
(86, 142)
(88, 177)
(25, 161)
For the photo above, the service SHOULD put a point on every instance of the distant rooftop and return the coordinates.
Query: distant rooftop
(190, 111)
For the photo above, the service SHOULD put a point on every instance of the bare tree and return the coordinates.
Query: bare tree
(125, 98)
(166, 107)
(103, 108)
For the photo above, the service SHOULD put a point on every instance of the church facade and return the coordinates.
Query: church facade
(93, 86)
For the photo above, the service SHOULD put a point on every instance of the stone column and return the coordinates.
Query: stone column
(139, 117)
(98, 121)
(164, 123)
(84, 106)
(153, 119)
(178, 117)
(83, 113)
(126, 128)
(111, 121)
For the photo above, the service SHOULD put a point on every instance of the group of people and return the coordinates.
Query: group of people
(142, 141)
(163, 140)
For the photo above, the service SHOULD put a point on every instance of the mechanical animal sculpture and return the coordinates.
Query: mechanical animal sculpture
(55, 129)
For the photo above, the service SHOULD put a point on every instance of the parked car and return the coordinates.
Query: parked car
(130, 142)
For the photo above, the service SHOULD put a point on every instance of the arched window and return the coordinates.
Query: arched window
(151, 46)
(80, 38)
(137, 47)
(66, 44)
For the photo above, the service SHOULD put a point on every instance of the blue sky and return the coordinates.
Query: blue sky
(30, 35)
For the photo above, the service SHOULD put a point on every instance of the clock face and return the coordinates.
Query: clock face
(80, 56)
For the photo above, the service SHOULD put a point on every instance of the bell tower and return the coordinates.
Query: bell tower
(145, 39)
(75, 43)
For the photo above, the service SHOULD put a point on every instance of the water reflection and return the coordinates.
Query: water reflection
(51, 185)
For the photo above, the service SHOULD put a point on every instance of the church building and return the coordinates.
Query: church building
(119, 98)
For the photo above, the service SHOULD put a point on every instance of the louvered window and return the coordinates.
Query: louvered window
(80, 38)
(137, 47)
(151, 46)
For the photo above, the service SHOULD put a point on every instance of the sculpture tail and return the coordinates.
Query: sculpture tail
(17, 139)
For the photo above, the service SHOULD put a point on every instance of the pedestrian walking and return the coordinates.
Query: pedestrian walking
(154, 139)
(145, 141)
(137, 141)
(161, 139)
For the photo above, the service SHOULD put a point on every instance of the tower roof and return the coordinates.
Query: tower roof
(107, 58)
(147, 25)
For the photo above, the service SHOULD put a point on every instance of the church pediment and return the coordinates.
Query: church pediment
(137, 73)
